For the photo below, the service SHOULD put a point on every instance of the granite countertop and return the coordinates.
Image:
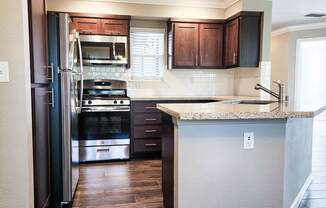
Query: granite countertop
(229, 111)
(190, 97)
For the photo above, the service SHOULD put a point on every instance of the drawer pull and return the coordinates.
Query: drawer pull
(151, 131)
(150, 119)
(102, 150)
(150, 107)
(150, 145)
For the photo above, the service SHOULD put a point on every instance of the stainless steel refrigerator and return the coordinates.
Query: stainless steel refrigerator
(66, 57)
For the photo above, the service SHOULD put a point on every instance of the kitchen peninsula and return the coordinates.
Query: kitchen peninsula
(208, 162)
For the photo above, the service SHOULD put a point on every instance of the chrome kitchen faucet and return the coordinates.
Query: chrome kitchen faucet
(281, 90)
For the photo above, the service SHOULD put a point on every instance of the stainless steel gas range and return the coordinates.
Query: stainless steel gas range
(104, 124)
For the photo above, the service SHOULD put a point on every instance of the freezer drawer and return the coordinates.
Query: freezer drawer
(101, 153)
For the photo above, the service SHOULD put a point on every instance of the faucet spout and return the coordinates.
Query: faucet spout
(280, 96)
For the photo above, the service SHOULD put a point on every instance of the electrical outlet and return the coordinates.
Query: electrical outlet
(249, 140)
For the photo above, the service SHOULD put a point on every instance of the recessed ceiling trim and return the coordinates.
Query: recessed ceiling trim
(311, 26)
(222, 4)
(229, 3)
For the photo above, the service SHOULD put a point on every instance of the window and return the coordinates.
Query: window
(147, 53)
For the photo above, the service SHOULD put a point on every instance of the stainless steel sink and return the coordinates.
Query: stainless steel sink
(257, 102)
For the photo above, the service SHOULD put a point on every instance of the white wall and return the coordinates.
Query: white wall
(247, 78)
(16, 174)
(280, 58)
(283, 56)
(210, 155)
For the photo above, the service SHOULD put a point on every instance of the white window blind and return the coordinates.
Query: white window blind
(147, 53)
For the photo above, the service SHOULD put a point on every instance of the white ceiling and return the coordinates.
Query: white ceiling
(285, 12)
(291, 12)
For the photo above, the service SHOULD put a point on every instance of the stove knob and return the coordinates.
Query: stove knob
(89, 102)
(121, 102)
(115, 102)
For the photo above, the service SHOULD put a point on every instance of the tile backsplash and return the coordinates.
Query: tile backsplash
(106, 72)
(198, 82)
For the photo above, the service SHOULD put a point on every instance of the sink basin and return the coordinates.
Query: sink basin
(257, 102)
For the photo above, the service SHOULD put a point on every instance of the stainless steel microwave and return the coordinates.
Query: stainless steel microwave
(104, 50)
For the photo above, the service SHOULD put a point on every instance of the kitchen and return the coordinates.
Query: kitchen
(133, 103)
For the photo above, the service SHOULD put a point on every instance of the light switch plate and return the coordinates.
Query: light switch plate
(4, 71)
(248, 140)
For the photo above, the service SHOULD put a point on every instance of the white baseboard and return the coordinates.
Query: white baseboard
(300, 195)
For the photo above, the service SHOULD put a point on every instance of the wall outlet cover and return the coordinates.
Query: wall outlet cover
(4, 71)
(249, 140)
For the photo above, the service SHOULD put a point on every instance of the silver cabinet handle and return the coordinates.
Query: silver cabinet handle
(150, 131)
(150, 145)
(52, 98)
(150, 119)
(51, 71)
(150, 107)
(103, 150)
(234, 58)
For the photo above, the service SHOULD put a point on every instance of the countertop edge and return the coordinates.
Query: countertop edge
(235, 115)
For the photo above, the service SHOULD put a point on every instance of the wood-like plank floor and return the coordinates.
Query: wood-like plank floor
(135, 184)
(315, 196)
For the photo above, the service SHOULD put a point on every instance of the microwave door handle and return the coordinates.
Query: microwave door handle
(81, 71)
(113, 48)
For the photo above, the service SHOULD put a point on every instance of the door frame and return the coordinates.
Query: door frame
(298, 68)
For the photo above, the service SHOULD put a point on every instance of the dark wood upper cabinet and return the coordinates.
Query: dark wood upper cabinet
(185, 45)
(115, 27)
(197, 45)
(96, 26)
(215, 44)
(243, 40)
(41, 143)
(231, 43)
(211, 45)
(87, 25)
(38, 41)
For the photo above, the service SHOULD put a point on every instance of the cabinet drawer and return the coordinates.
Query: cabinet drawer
(115, 27)
(147, 131)
(147, 118)
(147, 145)
(143, 107)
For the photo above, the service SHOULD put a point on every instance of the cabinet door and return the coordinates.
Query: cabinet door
(41, 134)
(38, 41)
(185, 45)
(87, 25)
(114, 27)
(211, 45)
(232, 43)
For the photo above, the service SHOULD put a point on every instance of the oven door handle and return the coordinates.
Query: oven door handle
(105, 109)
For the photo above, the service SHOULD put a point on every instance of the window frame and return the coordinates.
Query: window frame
(148, 30)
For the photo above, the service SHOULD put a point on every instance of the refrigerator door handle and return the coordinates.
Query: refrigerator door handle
(81, 93)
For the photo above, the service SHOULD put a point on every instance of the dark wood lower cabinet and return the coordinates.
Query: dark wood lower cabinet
(41, 134)
(146, 127)
(168, 160)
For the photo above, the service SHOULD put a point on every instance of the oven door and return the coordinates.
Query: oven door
(104, 126)
(104, 136)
